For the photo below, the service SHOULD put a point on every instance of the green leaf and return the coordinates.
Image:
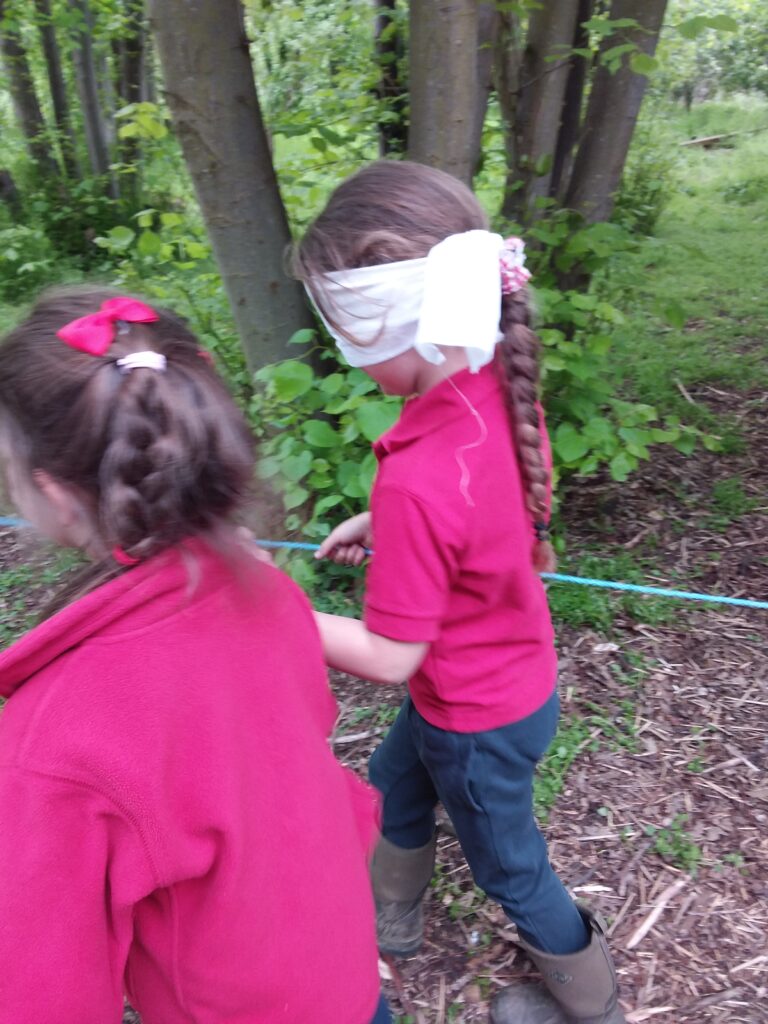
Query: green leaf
(723, 23)
(569, 444)
(351, 481)
(332, 384)
(120, 237)
(149, 244)
(643, 64)
(291, 379)
(320, 434)
(303, 337)
(294, 497)
(374, 418)
(621, 466)
(329, 501)
(295, 467)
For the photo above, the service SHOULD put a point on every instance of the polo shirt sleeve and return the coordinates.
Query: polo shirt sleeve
(413, 569)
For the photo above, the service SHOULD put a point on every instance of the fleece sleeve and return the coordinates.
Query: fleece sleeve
(413, 569)
(68, 860)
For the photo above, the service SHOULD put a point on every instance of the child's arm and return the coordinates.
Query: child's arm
(349, 646)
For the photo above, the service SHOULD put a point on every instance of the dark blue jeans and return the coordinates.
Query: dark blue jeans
(485, 783)
(383, 1016)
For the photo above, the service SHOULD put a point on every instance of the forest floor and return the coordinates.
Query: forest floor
(653, 798)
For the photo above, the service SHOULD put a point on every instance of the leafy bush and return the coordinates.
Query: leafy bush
(317, 433)
(27, 259)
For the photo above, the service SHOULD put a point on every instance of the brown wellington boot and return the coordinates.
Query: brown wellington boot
(400, 878)
(582, 986)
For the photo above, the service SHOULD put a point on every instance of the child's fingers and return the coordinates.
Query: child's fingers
(327, 547)
(347, 554)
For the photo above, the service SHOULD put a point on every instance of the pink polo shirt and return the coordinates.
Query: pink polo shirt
(452, 563)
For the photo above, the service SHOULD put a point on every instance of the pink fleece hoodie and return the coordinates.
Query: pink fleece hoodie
(172, 820)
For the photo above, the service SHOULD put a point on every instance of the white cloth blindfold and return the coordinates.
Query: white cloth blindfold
(450, 298)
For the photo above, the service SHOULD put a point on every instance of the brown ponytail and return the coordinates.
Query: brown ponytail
(518, 359)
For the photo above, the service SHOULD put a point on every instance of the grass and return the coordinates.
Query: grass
(704, 270)
(581, 606)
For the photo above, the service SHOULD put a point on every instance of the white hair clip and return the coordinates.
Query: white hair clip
(143, 361)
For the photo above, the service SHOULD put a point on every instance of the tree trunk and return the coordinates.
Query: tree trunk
(614, 104)
(543, 77)
(391, 90)
(508, 57)
(570, 126)
(93, 120)
(24, 96)
(443, 84)
(488, 26)
(130, 77)
(212, 97)
(58, 89)
(148, 93)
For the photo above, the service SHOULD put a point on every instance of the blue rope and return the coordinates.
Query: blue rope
(555, 577)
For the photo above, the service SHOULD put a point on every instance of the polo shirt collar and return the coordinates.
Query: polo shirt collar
(442, 404)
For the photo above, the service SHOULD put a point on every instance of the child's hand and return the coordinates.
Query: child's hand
(347, 543)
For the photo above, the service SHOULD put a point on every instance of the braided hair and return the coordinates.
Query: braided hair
(154, 457)
(396, 210)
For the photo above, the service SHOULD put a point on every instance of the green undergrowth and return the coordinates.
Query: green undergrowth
(698, 307)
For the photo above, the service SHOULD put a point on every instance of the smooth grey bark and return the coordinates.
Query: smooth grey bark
(26, 105)
(58, 89)
(212, 96)
(612, 110)
(443, 84)
(543, 77)
(87, 87)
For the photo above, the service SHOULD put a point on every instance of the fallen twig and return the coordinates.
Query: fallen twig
(669, 893)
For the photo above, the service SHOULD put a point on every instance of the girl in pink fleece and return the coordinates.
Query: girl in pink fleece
(173, 824)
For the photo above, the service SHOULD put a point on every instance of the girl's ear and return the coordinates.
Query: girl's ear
(63, 504)
(60, 513)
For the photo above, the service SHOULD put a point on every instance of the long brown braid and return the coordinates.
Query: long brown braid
(154, 457)
(518, 359)
(395, 210)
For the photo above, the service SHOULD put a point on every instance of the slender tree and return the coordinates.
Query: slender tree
(612, 110)
(488, 27)
(444, 84)
(129, 81)
(88, 90)
(58, 89)
(26, 104)
(212, 96)
(578, 70)
(538, 113)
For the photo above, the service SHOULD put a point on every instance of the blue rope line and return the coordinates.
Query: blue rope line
(555, 577)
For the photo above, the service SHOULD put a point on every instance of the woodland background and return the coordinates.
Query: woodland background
(175, 148)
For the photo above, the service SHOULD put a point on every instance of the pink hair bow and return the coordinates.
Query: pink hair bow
(514, 275)
(93, 334)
